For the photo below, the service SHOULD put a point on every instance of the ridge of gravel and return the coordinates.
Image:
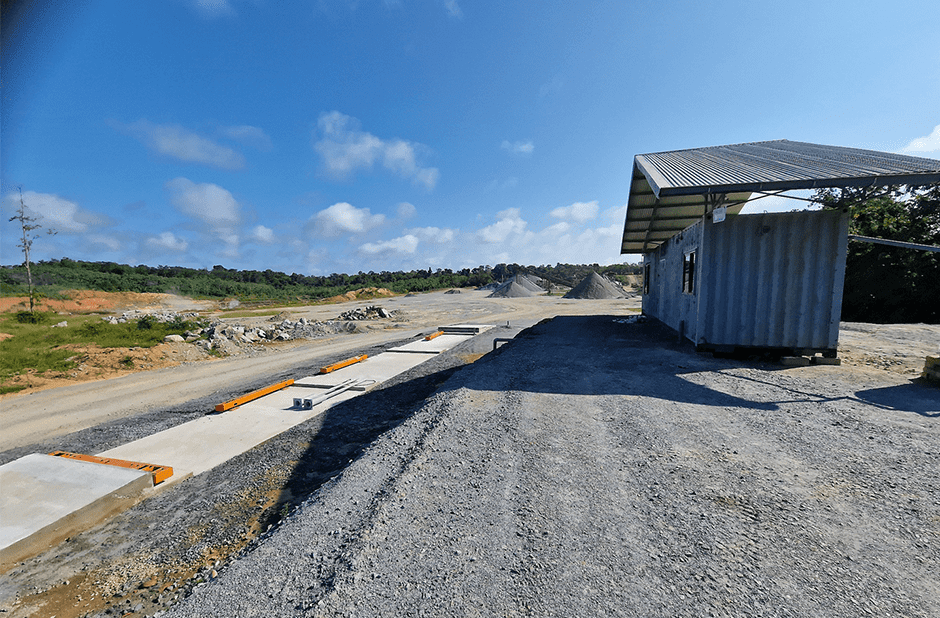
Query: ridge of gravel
(590, 467)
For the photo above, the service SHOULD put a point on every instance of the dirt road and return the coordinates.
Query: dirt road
(51, 413)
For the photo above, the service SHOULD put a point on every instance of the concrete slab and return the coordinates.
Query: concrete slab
(437, 345)
(200, 445)
(380, 368)
(464, 329)
(47, 499)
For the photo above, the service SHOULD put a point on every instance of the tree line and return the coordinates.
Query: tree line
(52, 276)
(884, 284)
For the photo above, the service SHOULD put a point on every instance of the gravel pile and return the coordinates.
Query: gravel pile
(596, 286)
(519, 286)
(560, 476)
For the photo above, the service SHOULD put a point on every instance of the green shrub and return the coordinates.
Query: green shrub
(31, 317)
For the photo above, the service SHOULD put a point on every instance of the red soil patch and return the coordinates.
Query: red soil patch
(89, 301)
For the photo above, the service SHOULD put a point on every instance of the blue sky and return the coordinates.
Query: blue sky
(346, 136)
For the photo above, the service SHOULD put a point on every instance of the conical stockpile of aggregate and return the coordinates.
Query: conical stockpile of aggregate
(530, 283)
(519, 286)
(596, 286)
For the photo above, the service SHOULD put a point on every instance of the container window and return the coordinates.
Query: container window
(688, 273)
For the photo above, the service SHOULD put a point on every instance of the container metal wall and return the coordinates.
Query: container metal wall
(767, 281)
(666, 300)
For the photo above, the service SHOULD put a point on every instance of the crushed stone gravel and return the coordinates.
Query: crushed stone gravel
(592, 467)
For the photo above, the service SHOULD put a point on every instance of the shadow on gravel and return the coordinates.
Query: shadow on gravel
(602, 355)
(350, 427)
(918, 398)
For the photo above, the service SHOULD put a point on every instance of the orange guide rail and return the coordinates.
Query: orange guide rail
(267, 390)
(432, 336)
(345, 363)
(160, 473)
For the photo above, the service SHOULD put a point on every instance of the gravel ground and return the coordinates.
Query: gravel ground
(592, 467)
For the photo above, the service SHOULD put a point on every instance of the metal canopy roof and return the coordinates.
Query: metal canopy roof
(670, 191)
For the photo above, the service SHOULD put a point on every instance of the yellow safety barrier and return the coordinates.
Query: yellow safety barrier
(345, 363)
(160, 473)
(228, 405)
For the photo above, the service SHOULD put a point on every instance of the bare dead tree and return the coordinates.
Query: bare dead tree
(29, 224)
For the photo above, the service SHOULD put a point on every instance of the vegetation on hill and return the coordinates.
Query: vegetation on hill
(51, 277)
(887, 284)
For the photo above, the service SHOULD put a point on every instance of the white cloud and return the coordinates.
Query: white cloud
(263, 234)
(434, 234)
(509, 223)
(453, 9)
(928, 143)
(561, 227)
(205, 201)
(523, 148)
(406, 244)
(230, 243)
(212, 205)
(55, 213)
(167, 241)
(579, 211)
(344, 217)
(246, 134)
(175, 141)
(406, 210)
(344, 148)
(109, 242)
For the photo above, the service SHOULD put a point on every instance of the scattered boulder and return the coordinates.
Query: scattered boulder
(174, 339)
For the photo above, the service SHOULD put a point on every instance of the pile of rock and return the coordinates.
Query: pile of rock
(225, 336)
(232, 338)
(159, 316)
(365, 313)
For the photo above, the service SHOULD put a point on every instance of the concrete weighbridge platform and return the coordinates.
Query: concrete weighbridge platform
(47, 499)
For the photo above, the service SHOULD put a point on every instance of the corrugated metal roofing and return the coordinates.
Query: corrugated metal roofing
(671, 190)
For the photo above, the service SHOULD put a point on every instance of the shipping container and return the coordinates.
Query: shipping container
(769, 281)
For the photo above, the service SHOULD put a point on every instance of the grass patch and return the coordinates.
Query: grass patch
(41, 347)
